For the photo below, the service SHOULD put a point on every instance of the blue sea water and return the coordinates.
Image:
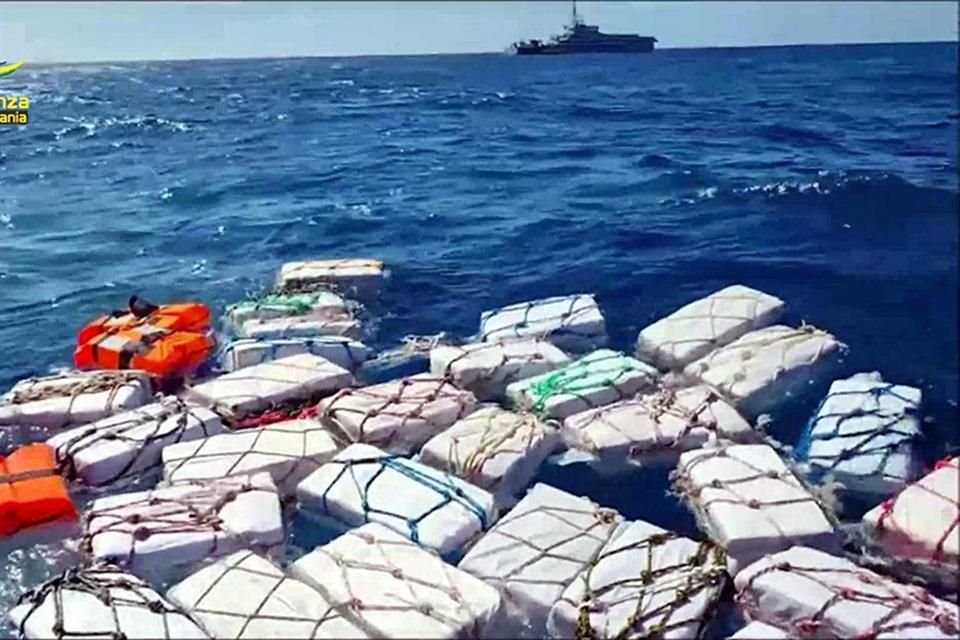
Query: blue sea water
(824, 175)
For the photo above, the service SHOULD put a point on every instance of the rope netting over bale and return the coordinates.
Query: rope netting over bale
(646, 582)
(397, 416)
(290, 450)
(272, 603)
(486, 368)
(815, 595)
(184, 523)
(699, 327)
(534, 552)
(72, 386)
(876, 421)
(489, 446)
(917, 531)
(245, 352)
(600, 378)
(668, 420)
(743, 494)
(140, 434)
(396, 588)
(572, 320)
(354, 483)
(99, 601)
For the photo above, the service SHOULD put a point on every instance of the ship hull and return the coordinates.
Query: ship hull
(553, 50)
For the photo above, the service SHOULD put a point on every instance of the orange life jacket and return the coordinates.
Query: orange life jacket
(172, 340)
(31, 490)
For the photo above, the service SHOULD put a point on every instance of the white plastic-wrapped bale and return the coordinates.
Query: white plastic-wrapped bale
(747, 499)
(645, 582)
(595, 380)
(289, 451)
(757, 630)
(655, 428)
(246, 596)
(355, 277)
(128, 444)
(535, 551)
(317, 304)
(247, 352)
(100, 602)
(493, 449)
(573, 323)
(397, 416)
(763, 368)
(365, 484)
(921, 525)
(815, 594)
(343, 324)
(260, 387)
(486, 368)
(397, 589)
(698, 328)
(72, 398)
(863, 434)
(164, 531)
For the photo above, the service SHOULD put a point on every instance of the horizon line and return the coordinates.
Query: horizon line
(474, 53)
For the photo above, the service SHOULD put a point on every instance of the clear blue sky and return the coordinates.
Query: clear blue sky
(97, 31)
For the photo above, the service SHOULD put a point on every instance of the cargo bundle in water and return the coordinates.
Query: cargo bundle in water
(579, 37)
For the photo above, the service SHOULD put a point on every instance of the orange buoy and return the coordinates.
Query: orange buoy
(31, 490)
(162, 340)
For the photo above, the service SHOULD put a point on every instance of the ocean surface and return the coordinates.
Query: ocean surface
(824, 175)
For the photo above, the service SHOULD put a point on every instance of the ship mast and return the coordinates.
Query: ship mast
(576, 18)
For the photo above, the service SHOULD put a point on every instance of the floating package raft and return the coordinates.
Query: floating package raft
(355, 277)
(863, 434)
(700, 327)
(594, 380)
(397, 589)
(535, 552)
(100, 601)
(494, 449)
(815, 594)
(573, 323)
(363, 484)
(246, 352)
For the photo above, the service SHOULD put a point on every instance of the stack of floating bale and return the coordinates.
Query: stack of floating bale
(429, 485)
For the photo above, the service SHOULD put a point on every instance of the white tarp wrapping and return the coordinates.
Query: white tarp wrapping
(246, 596)
(127, 444)
(921, 525)
(100, 602)
(655, 428)
(763, 368)
(353, 276)
(750, 502)
(645, 582)
(343, 324)
(863, 434)
(757, 630)
(486, 368)
(493, 449)
(260, 387)
(74, 397)
(165, 530)
(341, 351)
(573, 323)
(365, 484)
(813, 594)
(396, 416)
(289, 451)
(397, 589)
(698, 328)
(595, 380)
(534, 553)
(317, 304)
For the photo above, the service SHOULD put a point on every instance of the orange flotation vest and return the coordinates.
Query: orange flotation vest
(171, 339)
(31, 490)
